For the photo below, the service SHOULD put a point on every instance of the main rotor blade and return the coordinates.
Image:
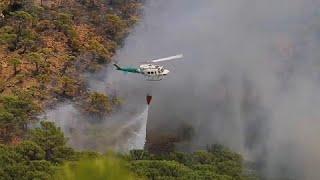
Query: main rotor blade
(168, 58)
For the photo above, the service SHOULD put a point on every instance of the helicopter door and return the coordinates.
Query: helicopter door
(153, 75)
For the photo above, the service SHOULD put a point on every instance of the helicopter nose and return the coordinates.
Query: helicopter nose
(165, 72)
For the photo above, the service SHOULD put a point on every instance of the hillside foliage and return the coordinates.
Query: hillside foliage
(45, 155)
(46, 44)
(216, 163)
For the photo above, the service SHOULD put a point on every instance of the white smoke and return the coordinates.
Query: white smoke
(249, 80)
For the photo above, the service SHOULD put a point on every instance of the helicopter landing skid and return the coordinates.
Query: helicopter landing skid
(154, 78)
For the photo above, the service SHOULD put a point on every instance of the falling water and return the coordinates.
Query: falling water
(137, 141)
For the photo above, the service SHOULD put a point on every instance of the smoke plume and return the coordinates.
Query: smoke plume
(249, 79)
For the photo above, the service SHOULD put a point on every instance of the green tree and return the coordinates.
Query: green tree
(8, 36)
(181, 157)
(37, 60)
(51, 139)
(25, 36)
(22, 22)
(9, 163)
(203, 157)
(8, 127)
(69, 61)
(46, 53)
(68, 87)
(115, 28)
(30, 151)
(27, 40)
(155, 169)
(38, 169)
(64, 23)
(99, 51)
(14, 165)
(15, 62)
(98, 104)
(15, 114)
(218, 163)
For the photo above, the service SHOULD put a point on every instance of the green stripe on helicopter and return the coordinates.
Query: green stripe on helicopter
(128, 69)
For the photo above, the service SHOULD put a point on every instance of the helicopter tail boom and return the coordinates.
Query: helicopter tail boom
(127, 69)
(117, 66)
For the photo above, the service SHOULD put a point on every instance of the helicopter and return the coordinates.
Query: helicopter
(152, 72)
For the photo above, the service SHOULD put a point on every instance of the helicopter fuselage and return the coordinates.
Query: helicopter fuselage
(152, 72)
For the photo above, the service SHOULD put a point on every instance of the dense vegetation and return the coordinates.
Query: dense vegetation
(215, 163)
(44, 46)
(45, 155)
(37, 156)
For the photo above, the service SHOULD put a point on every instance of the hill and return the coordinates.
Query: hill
(45, 45)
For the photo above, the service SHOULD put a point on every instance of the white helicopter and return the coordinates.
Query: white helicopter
(152, 72)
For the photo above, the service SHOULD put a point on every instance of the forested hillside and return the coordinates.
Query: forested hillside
(45, 46)
(45, 156)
